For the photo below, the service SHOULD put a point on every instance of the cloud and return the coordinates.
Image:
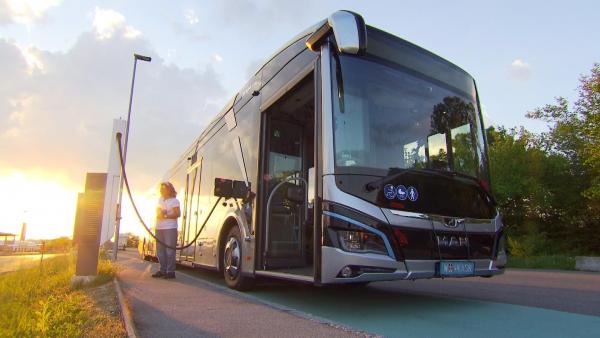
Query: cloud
(250, 16)
(519, 70)
(12, 93)
(32, 56)
(217, 57)
(25, 11)
(61, 119)
(246, 20)
(108, 22)
(191, 17)
(189, 32)
(131, 33)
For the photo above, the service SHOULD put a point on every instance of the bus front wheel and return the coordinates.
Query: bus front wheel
(232, 262)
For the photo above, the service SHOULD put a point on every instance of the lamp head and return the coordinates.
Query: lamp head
(142, 57)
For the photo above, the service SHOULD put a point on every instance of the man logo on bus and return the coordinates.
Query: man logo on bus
(389, 191)
(413, 194)
(401, 192)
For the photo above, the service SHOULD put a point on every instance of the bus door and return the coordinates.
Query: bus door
(190, 210)
(288, 156)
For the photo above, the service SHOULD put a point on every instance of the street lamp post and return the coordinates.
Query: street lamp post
(136, 57)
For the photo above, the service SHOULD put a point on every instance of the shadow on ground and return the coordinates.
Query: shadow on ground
(404, 313)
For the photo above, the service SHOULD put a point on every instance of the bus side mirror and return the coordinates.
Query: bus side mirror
(348, 28)
(231, 189)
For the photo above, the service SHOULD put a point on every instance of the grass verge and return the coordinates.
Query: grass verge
(40, 302)
(554, 262)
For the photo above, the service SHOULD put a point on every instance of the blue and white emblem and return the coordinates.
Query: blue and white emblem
(401, 192)
(389, 191)
(413, 194)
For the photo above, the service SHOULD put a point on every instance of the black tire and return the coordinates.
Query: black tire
(231, 258)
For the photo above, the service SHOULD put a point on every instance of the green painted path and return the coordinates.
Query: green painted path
(388, 313)
(407, 315)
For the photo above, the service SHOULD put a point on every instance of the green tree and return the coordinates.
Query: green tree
(61, 244)
(548, 184)
(588, 106)
(574, 137)
(516, 172)
(535, 192)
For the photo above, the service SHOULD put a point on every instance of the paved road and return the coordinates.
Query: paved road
(577, 292)
(17, 262)
(191, 307)
(521, 303)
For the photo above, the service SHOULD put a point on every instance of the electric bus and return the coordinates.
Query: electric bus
(351, 156)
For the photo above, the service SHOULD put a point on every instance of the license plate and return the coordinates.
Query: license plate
(456, 268)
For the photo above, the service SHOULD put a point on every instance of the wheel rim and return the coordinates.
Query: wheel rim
(232, 258)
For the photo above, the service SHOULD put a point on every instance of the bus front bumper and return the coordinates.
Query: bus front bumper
(373, 267)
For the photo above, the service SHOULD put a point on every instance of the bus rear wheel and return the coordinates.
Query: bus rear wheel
(232, 262)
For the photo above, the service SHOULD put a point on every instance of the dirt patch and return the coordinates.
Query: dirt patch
(105, 314)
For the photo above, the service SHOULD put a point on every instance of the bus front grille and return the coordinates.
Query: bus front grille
(427, 245)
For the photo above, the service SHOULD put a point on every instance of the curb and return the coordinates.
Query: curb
(125, 312)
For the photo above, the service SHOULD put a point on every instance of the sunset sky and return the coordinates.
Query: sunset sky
(65, 70)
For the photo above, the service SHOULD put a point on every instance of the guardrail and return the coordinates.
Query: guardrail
(585, 263)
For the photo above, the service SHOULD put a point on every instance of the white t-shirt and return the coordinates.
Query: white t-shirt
(167, 204)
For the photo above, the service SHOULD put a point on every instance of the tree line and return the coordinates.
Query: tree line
(548, 184)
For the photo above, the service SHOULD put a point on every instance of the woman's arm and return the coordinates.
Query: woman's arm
(174, 213)
(160, 213)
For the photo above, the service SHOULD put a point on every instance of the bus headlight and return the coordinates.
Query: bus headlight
(352, 231)
(361, 242)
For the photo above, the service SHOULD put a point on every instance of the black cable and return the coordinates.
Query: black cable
(140, 217)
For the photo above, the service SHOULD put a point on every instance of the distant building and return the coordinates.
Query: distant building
(5, 236)
(23, 231)
(13, 245)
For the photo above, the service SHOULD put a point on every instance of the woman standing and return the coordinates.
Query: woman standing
(167, 213)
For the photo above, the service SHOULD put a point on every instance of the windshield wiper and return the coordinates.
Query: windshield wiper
(471, 178)
(451, 174)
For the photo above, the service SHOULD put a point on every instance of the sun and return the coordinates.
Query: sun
(46, 202)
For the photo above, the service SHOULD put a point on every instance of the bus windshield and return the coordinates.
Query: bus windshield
(388, 117)
(409, 141)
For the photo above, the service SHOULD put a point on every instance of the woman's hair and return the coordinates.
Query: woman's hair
(170, 189)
